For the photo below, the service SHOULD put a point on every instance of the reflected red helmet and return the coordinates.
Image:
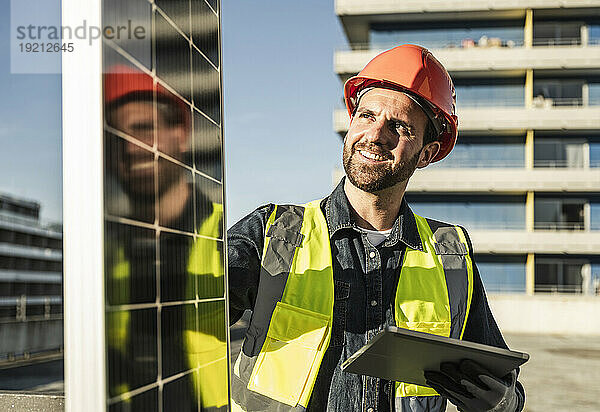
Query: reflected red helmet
(414, 70)
(121, 81)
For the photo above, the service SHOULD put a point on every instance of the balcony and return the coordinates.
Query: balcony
(465, 61)
(29, 252)
(547, 242)
(512, 119)
(516, 180)
(507, 8)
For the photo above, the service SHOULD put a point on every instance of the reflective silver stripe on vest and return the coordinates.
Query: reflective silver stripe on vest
(453, 254)
(420, 403)
(285, 237)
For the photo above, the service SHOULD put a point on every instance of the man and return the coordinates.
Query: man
(322, 279)
(142, 187)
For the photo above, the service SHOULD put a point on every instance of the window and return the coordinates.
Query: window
(502, 273)
(594, 153)
(559, 213)
(557, 92)
(595, 216)
(594, 94)
(556, 33)
(473, 212)
(558, 153)
(487, 151)
(477, 34)
(490, 92)
(595, 279)
(559, 275)
(594, 34)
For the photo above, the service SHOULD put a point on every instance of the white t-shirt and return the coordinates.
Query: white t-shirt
(376, 237)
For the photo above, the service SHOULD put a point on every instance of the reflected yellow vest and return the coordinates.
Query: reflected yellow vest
(204, 352)
(285, 370)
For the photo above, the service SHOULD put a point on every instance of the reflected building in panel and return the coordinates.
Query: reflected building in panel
(524, 177)
(31, 321)
(165, 319)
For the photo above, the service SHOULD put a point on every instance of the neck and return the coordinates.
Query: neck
(375, 211)
(173, 200)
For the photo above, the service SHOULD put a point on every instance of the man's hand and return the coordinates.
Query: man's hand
(472, 388)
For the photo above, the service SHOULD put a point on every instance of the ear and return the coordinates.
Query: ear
(428, 153)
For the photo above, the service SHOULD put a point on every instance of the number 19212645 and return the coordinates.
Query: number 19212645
(46, 47)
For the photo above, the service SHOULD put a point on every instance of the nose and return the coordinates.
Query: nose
(377, 132)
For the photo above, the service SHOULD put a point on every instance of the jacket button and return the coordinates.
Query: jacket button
(370, 410)
(373, 303)
(372, 255)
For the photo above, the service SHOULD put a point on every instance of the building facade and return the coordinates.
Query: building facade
(524, 178)
(30, 282)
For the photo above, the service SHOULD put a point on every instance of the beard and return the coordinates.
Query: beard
(376, 177)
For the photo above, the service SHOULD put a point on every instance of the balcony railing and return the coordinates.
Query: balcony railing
(503, 287)
(439, 44)
(51, 227)
(490, 102)
(558, 288)
(510, 164)
(478, 163)
(28, 308)
(538, 102)
(566, 41)
(470, 44)
(557, 164)
(559, 226)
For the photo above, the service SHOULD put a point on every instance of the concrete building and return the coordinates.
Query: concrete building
(30, 282)
(524, 178)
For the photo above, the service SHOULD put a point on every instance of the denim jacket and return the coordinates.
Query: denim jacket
(365, 279)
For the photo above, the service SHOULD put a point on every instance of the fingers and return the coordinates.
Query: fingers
(473, 372)
(493, 383)
(449, 380)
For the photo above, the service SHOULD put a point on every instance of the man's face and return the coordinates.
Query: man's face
(383, 145)
(136, 167)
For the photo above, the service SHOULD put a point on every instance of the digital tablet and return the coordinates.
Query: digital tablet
(402, 355)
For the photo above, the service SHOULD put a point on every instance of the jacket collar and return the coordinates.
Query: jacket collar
(337, 213)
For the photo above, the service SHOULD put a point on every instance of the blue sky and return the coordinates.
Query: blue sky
(279, 91)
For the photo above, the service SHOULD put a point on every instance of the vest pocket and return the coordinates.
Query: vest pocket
(291, 354)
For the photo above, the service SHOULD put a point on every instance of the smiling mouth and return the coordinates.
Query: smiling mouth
(142, 166)
(372, 156)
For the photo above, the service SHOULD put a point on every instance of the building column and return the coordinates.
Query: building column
(529, 150)
(530, 274)
(529, 211)
(529, 88)
(528, 31)
(585, 35)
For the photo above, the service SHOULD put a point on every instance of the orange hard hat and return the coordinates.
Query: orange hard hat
(121, 81)
(412, 69)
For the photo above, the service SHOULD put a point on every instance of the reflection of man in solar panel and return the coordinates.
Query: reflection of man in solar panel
(148, 169)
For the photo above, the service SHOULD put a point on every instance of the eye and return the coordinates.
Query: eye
(366, 115)
(401, 128)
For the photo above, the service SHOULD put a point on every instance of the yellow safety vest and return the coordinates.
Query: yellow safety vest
(278, 365)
